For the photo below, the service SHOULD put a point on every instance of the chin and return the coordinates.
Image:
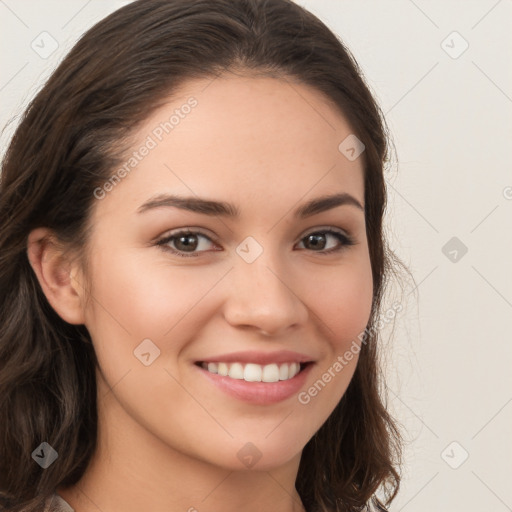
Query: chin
(260, 454)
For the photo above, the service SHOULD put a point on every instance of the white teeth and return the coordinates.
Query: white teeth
(213, 367)
(283, 372)
(270, 373)
(223, 369)
(236, 371)
(252, 372)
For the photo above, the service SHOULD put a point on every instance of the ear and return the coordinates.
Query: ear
(56, 275)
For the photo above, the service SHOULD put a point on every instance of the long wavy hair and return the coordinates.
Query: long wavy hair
(69, 141)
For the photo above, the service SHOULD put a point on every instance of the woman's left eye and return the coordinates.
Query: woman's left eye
(317, 238)
(184, 243)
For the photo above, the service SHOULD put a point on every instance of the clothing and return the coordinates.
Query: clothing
(56, 503)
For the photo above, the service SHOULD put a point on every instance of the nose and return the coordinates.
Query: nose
(264, 297)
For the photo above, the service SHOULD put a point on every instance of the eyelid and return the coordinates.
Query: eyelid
(325, 228)
(197, 230)
(184, 230)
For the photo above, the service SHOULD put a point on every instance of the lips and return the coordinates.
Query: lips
(257, 377)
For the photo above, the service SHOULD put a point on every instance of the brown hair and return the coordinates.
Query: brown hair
(71, 137)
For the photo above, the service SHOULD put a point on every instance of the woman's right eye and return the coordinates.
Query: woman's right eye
(184, 243)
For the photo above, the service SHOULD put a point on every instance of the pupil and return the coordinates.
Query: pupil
(183, 240)
(316, 240)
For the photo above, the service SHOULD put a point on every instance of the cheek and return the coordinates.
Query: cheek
(342, 300)
(134, 300)
(342, 303)
(143, 297)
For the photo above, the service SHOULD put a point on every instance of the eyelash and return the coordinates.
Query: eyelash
(163, 243)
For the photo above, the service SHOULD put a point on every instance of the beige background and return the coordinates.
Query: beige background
(450, 112)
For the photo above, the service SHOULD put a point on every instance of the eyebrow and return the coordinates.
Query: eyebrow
(214, 208)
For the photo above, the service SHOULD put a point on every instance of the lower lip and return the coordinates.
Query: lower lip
(259, 393)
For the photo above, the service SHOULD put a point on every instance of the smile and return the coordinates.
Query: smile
(257, 384)
(252, 372)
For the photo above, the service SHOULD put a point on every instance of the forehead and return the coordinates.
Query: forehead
(244, 139)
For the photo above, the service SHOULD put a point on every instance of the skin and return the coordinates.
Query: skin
(168, 440)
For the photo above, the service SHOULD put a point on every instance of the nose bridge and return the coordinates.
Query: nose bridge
(262, 294)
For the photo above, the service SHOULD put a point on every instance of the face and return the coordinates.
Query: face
(259, 287)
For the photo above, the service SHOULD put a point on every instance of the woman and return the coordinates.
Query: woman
(192, 268)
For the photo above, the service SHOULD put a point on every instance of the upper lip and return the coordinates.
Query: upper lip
(257, 357)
